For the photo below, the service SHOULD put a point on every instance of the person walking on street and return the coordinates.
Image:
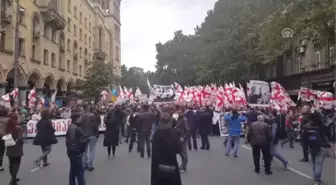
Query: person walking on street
(205, 122)
(183, 130)
(90, 124)
(290, 118)
(164, 168)
(275, 141)
(134, 128)
(15, 152)
(315, 135)
(235, 121)
(259, 136)
(76, 143)
(3, 124)
(45, 137)
(192, 122)
(111, 135)
(146, 120)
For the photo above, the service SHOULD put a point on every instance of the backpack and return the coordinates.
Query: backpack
(9, 141)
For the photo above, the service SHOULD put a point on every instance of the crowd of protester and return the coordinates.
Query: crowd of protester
(165, 131)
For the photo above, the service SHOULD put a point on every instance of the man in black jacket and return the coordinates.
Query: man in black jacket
(76, 142)
(145, 120)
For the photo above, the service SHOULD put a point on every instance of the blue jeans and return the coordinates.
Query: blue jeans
(274, 153)
(317, 163)
(76, 170)
(235, 140)
(90, 152)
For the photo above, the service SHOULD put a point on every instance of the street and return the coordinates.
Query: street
(204, 168)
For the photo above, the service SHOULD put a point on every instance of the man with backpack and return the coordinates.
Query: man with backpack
(314, 136)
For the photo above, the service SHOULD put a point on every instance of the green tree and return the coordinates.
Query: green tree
(134, 77)
(99, 76)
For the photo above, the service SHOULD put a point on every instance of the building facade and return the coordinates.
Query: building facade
(57, 41)
(310, 65)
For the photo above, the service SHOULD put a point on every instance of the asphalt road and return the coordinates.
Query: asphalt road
(205, 168)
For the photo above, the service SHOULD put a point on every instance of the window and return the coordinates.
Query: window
(89, 56)
(117, 53)
(46, 32)
(21, 17)
(117, 33)
(69, 24)
(85, 38)
(33, 52)
(90, 42)
(75, 30)
(68, 66)
(80, 34)
(80, 17)
(90, 27)
(22, 47)
(75, 12)
(45, 57)
(69, 45)
(80, 70)
(53, 35)
(53, 60)
(2, 40)
(69, 6)
(80, 52)
(85, 22)
(318, 59)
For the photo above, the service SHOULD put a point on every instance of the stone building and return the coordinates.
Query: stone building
(57, 40)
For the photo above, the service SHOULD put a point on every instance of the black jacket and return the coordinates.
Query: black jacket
(45, 133)
(165, 147)
(76, 140)
(146, 120)
(90, 123)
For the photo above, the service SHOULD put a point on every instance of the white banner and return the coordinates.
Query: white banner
(61, 126)
(164, 91)
(260, 92)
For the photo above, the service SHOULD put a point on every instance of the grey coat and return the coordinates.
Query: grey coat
(259, 134)
(17, 150)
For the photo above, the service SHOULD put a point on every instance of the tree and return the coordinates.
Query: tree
(135, 77)
(312, 20)
(175, 60)
(99, 76)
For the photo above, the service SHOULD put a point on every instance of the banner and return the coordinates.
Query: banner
(259, 92)
(163, 91)
(60, 125)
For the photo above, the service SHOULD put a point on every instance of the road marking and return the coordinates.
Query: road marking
(289, 168)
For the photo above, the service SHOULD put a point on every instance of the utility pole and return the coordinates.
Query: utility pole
(17, 43)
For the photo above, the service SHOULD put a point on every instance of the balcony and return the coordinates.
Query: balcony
(52, 17)
(99, 54)
(6, 19)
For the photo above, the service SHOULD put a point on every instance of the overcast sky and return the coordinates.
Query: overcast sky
(147, 22)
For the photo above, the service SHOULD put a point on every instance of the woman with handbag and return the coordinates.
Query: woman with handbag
(14, 152)
(165, 169)
(45, 137)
